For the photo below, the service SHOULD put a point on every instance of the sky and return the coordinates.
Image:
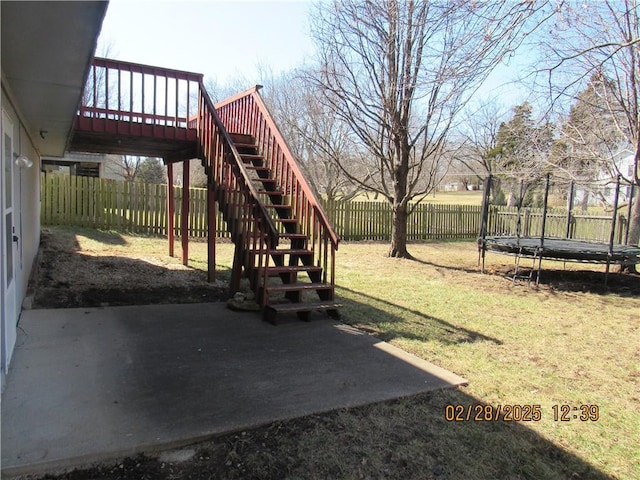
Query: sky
(223, 40)
(229, 40)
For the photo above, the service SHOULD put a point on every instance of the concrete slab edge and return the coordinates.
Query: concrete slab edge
(61, 466)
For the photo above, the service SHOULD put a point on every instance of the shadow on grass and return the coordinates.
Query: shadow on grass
(102, 236)
(446, 267)
(585, 281)
(437, 329)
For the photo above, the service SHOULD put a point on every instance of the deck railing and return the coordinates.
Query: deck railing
(132, 99)
(246, 113)
(129, 98)
(251, 227)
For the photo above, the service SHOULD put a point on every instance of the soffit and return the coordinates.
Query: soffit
(47, 48)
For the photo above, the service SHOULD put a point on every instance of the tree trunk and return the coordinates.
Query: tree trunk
(398, 246)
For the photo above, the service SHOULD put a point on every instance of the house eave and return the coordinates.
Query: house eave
(46, 52)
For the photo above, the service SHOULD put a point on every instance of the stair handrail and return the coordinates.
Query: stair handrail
(263, 214)
(324, 218)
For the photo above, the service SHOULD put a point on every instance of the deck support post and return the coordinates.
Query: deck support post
(212, 231)
(171, 210)
(236, 272)
(184, 214)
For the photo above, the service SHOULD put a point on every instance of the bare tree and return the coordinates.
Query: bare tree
(600, 39)
(478, 137)
(318, 139)
(131, 166)
(398, 72)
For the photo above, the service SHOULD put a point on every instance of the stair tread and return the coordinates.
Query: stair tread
(244, 145)
(291, 251)
(297, 268)
(293, 235)
(303, 307)
(271, 192)
(287, 287)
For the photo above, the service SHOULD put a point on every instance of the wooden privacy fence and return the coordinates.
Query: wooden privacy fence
(559, 224)
(129, 207)
(141, 208)
(372, 221)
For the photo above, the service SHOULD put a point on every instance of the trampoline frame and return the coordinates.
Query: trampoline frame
(560, 249)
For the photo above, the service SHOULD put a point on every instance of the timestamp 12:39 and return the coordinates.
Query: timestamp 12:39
(520, 413)
(584, 413)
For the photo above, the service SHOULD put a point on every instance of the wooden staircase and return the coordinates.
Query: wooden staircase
(290, 282)
(284, 244)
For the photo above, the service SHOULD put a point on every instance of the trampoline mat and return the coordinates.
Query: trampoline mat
(563, 249)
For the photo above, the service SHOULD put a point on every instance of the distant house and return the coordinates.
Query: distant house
(97, 165)
(47, 48)
(602, 191)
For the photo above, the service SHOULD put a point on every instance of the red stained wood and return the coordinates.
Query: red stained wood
(171, 214)
(184, 214)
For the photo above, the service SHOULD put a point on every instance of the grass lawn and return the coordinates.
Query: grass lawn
(559, 344)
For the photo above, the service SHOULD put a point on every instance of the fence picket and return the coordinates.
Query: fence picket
(140, 208)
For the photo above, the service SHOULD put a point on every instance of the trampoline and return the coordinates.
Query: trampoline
(566, 249)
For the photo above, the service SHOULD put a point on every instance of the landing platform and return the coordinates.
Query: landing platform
(126, 137)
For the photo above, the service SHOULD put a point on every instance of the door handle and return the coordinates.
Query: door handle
(15, 238)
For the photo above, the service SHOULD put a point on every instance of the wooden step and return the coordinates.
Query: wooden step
(245, 146)
(303, 306)
(291, 251)
(286, 220)
(268, 180)
(274, 193)
(257, 168)
(294, 269)
(252, 158)
(298, 287)
(242, 138)
(278, 207)
(299, 236)
(303, 310)
(292, 236)
(297, 252)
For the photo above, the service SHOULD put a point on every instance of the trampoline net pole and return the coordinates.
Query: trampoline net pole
(544, 210)
(627, 226)
(613, 230)
(569, 208)
(612, 233)
(484, 222)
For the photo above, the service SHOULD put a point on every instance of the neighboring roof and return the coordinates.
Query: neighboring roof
(47, 48)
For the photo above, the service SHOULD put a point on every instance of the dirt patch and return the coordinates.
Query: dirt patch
(582, 280)
(101, 272)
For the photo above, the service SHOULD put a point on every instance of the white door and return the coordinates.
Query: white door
(9, 242)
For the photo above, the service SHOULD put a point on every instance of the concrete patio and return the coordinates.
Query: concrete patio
(89, 384)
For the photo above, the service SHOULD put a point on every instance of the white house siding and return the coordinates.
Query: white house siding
(26, 187)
